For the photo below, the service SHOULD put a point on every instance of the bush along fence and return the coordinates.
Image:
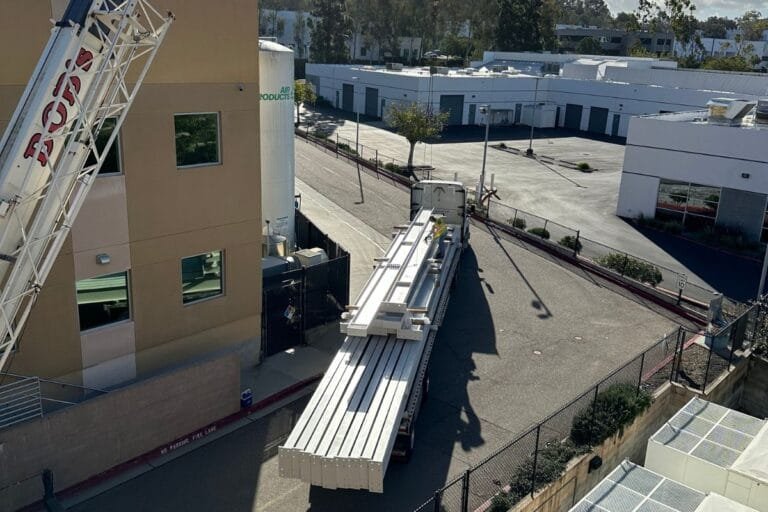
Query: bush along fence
(643, 272)
(540, 455)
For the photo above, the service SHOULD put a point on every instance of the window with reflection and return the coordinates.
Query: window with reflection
(202, 276)
(692, 205)
(111, 163)
(103, 300)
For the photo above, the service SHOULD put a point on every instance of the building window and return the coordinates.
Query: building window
(202, 276)
(691, 204)
(363, 51)
(616, 40)
(197, 139)
(111, 163)
(660, 42)
(103, 300)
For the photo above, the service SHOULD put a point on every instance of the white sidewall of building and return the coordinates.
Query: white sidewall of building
(637, 195)
(277, 145)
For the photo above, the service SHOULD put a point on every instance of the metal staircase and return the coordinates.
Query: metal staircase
(81, 80)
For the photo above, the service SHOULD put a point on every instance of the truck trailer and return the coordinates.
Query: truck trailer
(364, 410)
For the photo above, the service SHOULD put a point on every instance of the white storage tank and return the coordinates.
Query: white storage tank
(277, 156)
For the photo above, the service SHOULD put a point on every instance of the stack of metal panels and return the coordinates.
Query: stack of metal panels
(345, 435)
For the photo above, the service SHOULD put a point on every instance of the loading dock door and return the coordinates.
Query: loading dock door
(598, 119)
(348, 98)
(454, 105)
(371, 102)
(573, 116)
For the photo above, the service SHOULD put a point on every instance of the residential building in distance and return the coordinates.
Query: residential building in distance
(163, 262)
(613, 41)
(699, 169)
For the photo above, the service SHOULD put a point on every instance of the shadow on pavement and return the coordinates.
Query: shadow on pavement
(734, 276)
(447, 418)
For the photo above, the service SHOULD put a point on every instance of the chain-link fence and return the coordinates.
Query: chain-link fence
(538, 457)
(370, 160)
(640, 270)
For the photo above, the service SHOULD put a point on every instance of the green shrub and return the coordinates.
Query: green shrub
(500, 503)
(669, 226)
(550, 464)
(583, 166)
(540, 232)
(321, 134)
(571, 242)
(343, 146)
(631, 267)
(517, 222)
(393, 167)
(610, 412)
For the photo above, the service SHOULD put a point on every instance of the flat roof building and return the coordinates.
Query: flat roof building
(596, 94)
(698, 170)
(163, 263)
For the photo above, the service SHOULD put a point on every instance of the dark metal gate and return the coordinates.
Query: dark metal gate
(573, 116)
(598, 119)
(348, 97)
(454, 105)
(371, 102)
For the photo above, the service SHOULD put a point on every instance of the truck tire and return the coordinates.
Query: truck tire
(409, 447)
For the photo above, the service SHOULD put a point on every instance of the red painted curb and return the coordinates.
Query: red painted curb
(188, 439)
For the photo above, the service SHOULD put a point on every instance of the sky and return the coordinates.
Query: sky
(704, 8)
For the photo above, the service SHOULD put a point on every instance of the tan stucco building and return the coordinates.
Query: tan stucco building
(174, 222)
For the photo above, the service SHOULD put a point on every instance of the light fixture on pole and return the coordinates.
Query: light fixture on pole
(486, 111)
(357, 141)
(529, 151)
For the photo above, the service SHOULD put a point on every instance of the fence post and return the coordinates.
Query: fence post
(436, 500)
(465, 491)
(576, 244)
(376, 157)
(626, 262)
(545, 224)
(640, 376)
(709, 360)
(535, 460)
(337, 144)
(594, 407)
(678, 355)
(514, 218)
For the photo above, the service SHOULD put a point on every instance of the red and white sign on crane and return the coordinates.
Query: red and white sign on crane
(79, 82)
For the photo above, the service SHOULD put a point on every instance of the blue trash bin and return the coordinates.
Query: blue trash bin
(246, 398)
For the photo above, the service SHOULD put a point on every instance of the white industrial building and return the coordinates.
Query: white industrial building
(701, 168)
(597, 94)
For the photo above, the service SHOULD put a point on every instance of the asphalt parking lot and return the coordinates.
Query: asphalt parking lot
(523, 336)
(583, 201)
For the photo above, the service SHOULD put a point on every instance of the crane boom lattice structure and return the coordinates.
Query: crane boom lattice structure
(81, 80)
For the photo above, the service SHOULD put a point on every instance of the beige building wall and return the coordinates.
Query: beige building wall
(152, 215)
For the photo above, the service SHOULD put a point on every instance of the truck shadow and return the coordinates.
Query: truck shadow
(448, 431)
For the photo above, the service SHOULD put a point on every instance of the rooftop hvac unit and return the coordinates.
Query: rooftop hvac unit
(394, 66)
(761, 111)
(470, 71)
(310, 257)
(714, 449)
(438, 70)
(728, 111)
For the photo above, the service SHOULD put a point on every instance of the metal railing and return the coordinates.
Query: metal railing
(23, 397)
(695, 359)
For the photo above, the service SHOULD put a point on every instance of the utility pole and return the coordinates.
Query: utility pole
(484, 109)
(357, 141)
(529, 151)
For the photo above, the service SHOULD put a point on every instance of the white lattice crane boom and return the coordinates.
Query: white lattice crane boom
(79, 82)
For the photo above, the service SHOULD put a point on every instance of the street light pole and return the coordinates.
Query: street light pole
(484, 109)
(529, 151)
(763, 274)
(357, 144)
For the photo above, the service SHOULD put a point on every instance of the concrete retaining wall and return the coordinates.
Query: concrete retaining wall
(82, 441)
(754, 396)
